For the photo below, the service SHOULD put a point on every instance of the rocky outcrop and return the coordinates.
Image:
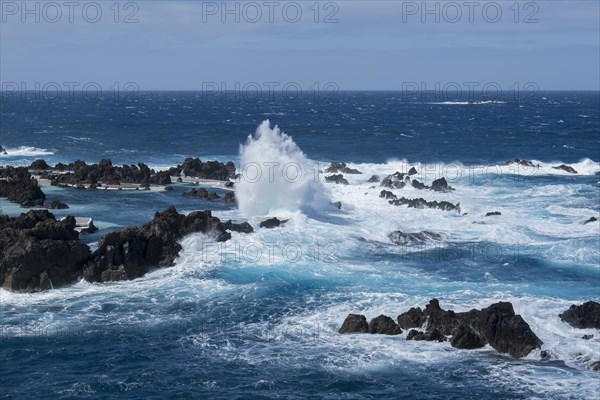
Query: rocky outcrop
(337, 179)
(566, 168)
(412, 171)
(93, 175)
(229, 197)
(584, 316)
(422, 203)
(418, 185)
(39, 165)
(272, 223)
(441, 185)
(525, 163)
(401, 238)
(56, 205)
(3, 150)
(195, 167)
(354, 323)
(394, 181)
(492, 213)
(384, 325)
(496, 325)
(465, 337)
(430, 336)
(592, 219)
(201, 194)
(161, 178)
(17, 185)
(374, 179)
(37, 252)
(243, 227)
(341, 167)
(130, 252)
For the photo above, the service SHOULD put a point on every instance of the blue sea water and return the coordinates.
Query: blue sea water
(257, 317)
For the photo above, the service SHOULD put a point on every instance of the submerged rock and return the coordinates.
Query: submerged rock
(374, 179)
(592, 219)
(337, 204)
(566, 168)
(401, 238)
(584, 316)
(354, 323)
(386, 194)
(492, 213)
(338, 179)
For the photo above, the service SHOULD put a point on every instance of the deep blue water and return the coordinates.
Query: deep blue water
(248, 320)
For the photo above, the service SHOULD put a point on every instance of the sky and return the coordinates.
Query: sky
(277, 45)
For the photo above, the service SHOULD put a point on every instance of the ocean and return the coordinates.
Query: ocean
(257, 316)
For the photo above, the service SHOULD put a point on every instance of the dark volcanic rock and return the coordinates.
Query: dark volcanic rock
(206, 170)
(595, 366)
(386, 194)
(525, 163)
(412, 171)
(413, 318)
(492, 213)
(394, 181)
(422, 203)
(56, 205)
(592, 219)
(584, 316)
(17, 185)
(202, 194)
(419, 185)
(341, 167)
(497, 325)
(566, 168)
(130, 252)
(161, 178)
(374, 178)
(384, 325)
(229, 197)
(243, 227)
(440, 185)
(401, 238)
(587, 337)
(37, 252)
(354, 323)
(338, 179)
(39, 165)
(430, 336)
(2, 150)
(465, 338)
(272, 223)
(337, 204)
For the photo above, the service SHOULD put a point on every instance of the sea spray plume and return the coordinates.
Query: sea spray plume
(276, 176)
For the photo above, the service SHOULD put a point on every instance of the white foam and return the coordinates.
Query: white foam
(25, 151)
(276, 176)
